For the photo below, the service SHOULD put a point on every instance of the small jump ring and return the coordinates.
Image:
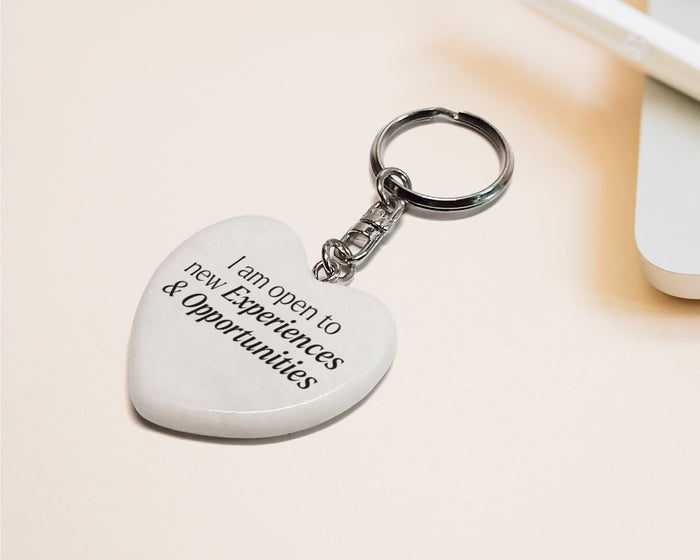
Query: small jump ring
(330, 249)
(470, 203)
(320, 273)
(386, 175)
(335, 262)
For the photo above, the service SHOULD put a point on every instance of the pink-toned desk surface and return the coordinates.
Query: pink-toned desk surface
(545, 400)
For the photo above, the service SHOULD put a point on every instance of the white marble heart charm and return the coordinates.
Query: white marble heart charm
(234, 337)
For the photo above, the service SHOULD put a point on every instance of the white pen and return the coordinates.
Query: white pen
(653, 47)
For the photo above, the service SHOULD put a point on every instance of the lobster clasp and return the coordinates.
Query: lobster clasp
(362, 238)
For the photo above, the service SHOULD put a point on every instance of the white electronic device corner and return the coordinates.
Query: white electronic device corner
(663, 44)
(667, 217)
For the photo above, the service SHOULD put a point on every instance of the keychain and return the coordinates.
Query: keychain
(234, 337)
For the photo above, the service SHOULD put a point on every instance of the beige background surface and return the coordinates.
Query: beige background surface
(544, 401)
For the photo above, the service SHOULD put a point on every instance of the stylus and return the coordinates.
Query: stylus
(653, 47)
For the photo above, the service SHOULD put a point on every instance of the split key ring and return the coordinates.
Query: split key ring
(340, 257)
(468, 204)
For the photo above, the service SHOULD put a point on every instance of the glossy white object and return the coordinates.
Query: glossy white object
(667, 215)
(234, 337)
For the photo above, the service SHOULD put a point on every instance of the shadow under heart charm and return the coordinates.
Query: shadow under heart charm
(235, 337)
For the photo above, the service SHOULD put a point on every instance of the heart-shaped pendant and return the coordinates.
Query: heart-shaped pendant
(234, 337)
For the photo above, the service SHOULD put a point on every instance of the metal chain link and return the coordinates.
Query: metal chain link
(335, 264)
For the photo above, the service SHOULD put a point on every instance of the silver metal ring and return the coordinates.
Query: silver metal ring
(385, 176)
(470, 203)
